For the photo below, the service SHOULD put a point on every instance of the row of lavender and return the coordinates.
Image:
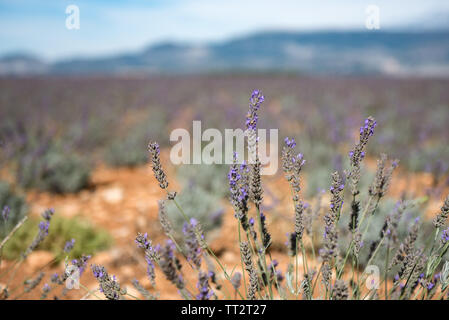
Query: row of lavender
(61, 127)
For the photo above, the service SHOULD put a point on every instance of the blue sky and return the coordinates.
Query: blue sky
(111, 26)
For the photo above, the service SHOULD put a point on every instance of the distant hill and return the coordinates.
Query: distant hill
(324, 52)
(22, 64)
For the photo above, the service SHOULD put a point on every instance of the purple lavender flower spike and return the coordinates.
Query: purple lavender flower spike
(255, 102)
(69, 246)
(5, 213)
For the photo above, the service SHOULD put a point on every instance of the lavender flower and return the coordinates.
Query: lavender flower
(274, 273)
(331, 218)
(327, 275)
(108, 285)
(372, 248)
(266, 237)
(254, 104)
(170, 265)
(392, 221)
(439, 221)
(292, 244)
(42, 234)
(383, 177)
(191, 241)
(355, 211)
(45, 291)
(153, 148)
(445, 236)
(256, 190)
(163, 218)
(151, 255)
(81, 262)
(299, 223)
(5, 213)
(414, 267)
(340, 290)
(358, 243)
(47, 214)
(336, 190)
(256, 184)
(432, 287)
(306, 284)
(246, 256)
(145, 243)
(211, 271)
(253, 285)
(30, 284)
(205, 292)
(198, 230)
(290, 143)
(330, 243)
(406, 254)
(252, 230)
(292, 166)
(239, 191)
(145, 293)
(236, 280)
(69, 246)
(308, 218)
(356, 156)
(55, 278)
(213, 279)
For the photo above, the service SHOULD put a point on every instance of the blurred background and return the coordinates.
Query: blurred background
(84, 85)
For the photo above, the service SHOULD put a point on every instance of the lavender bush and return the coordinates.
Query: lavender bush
(13, 208)
(17, 240)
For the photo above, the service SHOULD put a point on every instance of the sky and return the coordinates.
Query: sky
(110, 26)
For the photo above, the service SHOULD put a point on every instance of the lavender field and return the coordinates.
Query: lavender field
(372, 191)
(91, 113)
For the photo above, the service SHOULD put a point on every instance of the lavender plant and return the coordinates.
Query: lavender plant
(10, 290)
(13, 208)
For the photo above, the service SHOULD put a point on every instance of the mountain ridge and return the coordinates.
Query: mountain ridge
(316, 52)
